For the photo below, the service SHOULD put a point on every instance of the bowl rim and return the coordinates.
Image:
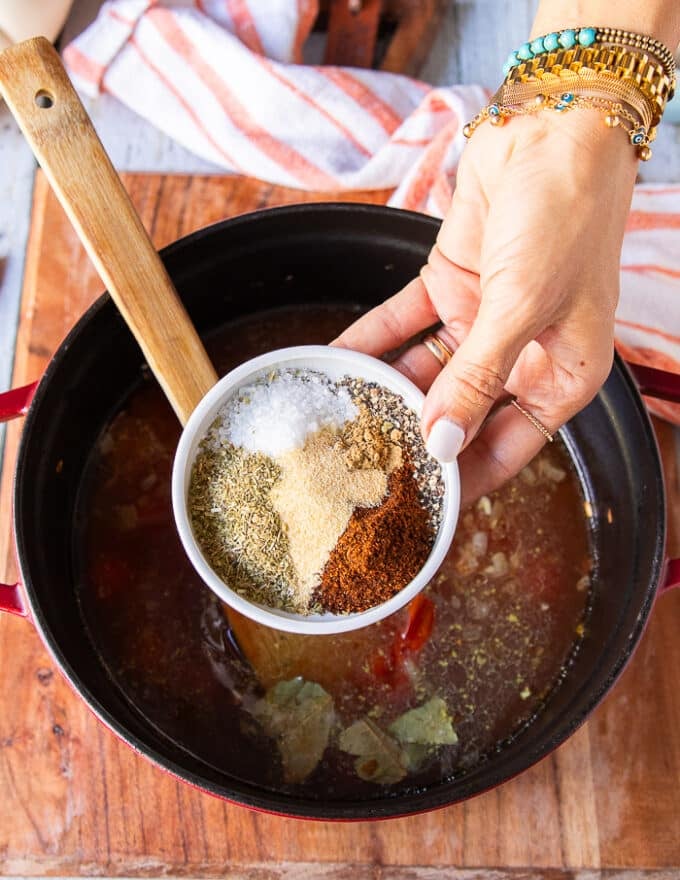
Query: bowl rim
(340, 361)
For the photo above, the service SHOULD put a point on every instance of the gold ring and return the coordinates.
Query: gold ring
(534, 421)
(438, 348)
(443, 353)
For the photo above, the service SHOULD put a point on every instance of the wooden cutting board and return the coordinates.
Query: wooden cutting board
(74, 800)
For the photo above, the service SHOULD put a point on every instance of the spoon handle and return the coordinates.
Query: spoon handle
(39, 93)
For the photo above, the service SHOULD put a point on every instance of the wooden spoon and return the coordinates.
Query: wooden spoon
(39, 93)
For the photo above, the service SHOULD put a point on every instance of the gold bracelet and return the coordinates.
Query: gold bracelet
(617, 37)
(584, 82)
(621, 63)
(616, 115)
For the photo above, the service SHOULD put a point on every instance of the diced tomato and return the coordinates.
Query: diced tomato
(381, 667)
(390, 667)
(420, 622)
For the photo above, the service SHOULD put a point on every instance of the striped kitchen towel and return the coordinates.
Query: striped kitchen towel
(224, 78)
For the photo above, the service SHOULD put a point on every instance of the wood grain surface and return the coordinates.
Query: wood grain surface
(74, 800)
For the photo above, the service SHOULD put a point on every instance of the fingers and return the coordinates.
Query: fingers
(392, 323)
(463, 394)
(419, 365)
(443, 292)
(462, 231)
(502, 448)
(509, 440)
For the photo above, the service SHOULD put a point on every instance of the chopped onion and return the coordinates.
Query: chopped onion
(546, 469)
(528, 475)
(583, 583)
(106, 443)
(499, 565)
(480, 543)
(484, 504)
(477, 608)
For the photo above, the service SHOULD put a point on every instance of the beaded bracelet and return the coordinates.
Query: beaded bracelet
(589, 36)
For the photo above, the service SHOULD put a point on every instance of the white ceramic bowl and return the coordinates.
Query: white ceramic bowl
(334, 363)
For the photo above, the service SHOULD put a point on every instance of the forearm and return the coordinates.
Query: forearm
(657, 18)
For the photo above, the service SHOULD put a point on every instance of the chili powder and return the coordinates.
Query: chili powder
(381, 550)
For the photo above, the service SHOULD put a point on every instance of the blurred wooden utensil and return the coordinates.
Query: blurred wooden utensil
(391, 35)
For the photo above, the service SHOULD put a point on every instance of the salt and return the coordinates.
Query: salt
(276, 414)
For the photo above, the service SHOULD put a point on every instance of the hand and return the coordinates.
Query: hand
(524, 278)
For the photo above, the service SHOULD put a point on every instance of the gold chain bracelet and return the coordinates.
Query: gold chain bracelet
(616, 115)
(584, 82)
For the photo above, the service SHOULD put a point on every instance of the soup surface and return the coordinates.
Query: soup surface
(423, 696)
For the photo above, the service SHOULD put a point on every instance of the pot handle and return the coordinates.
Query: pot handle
(11, 600)
(671, 578)
(656, 383)
(16, 402)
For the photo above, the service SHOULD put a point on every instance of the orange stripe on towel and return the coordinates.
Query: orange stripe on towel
(406, 142)
(426, 172)
(652, 220)
(185, 104)
(383, 114)
(653, 331)
(83, 66)
(116, 16)
(441, 193)
(284, 155)
(432, 104)
(651, 269)
(321, 110)
(642, 190)
(244, 24)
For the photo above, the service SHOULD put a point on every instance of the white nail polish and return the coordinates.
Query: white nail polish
(445, 440)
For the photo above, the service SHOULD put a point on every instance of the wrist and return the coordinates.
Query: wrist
(660, 19)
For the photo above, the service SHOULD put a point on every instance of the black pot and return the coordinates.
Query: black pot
(316, 254)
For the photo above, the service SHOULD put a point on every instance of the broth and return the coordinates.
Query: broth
(489, 639)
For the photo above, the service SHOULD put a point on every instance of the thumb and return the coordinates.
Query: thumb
(464, 392)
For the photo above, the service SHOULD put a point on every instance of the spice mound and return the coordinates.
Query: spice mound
(313, 495)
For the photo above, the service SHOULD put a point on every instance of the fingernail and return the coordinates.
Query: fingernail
(445, 440)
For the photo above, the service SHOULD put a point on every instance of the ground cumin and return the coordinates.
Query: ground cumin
(368, 445)
(381, 550)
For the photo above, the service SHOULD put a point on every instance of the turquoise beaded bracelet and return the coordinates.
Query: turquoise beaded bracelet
(585, 37)
(565, 39)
